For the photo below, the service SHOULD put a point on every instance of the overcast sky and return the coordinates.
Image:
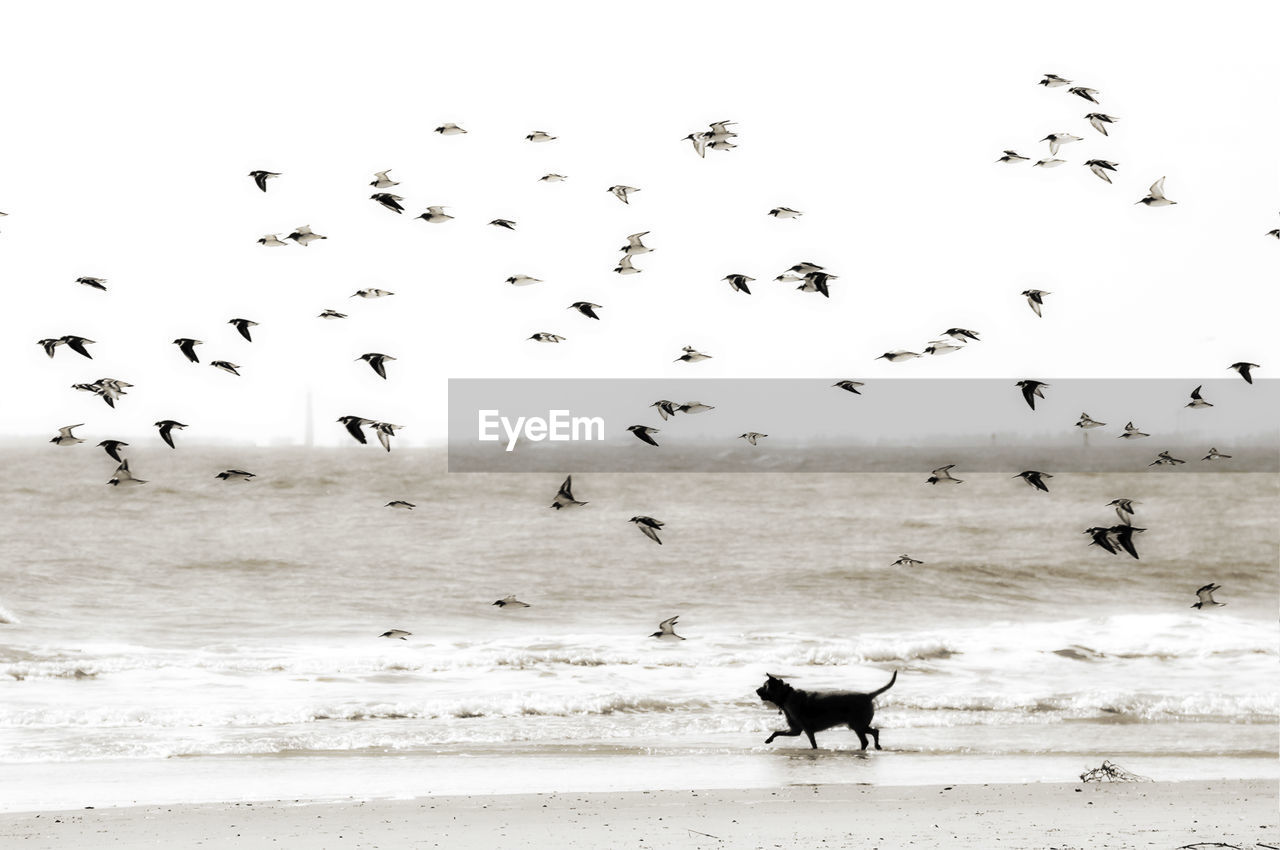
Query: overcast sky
(131, 130)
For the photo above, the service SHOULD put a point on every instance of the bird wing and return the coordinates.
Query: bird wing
(1157, 190)
(667, 626)
(566, 490)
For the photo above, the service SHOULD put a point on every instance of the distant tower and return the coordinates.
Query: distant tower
(309, 437)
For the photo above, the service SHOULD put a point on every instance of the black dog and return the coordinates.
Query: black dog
(814, 712)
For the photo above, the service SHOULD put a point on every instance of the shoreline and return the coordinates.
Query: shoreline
(1064, 816)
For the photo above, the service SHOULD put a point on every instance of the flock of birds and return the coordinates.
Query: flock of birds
(810, 277)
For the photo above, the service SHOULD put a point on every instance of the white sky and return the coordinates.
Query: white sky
(131, 128)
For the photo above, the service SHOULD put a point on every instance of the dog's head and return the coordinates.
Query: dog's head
(774, 690)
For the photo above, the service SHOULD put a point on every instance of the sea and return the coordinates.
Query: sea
(195, 640)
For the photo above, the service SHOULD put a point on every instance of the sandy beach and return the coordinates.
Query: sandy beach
(1060, 816)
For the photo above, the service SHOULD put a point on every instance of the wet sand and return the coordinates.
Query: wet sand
(1042, 815)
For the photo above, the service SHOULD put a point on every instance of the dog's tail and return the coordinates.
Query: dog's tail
(892, 679)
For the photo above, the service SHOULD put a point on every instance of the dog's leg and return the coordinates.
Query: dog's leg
(862, 737)
(812, 743)
(792, 732)
(875, 733)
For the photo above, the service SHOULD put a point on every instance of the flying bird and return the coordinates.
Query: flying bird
(226, 366)
(272, 240)
(370, 293)
(1131, 433)
(1086, 423)
(539, 136)
(75, 343)
(393, 634)
(1035, 298)
(667, 630)
(1214, 454)
(738, 282)
(586, 308)
(382, 181)
(188, 348)
(898, 355)
(564, 496)
(377, 362)
(49, 345)
(1081, 91)
(1244, 370)
(400, 504)
(699, 143)
(93, 282)
(938, 347)
(391, 202)
(1155, 196)
(261, 178)
(694, 407)
(942, 475)
(235, 475)
(65, 437)
(354, 424)
(504, 222)
(906, 561)
(1052, 162)
(332, 314)
(112, 448)
(849, 386)
(961, 334)
(124, 478)
(385, 431)
(635, 246)
(817, 282)
(1205, 595)
(450, 129)
(1100, 167)
(166, 427)
(243, 325)
(1124, 509)
(522, 280)
(625, 267)
(751, 437)
(1102, 537)
(303, 235)
(1165, 459)
(435, 215)
(644, 433)
(666, 409)
(621, 192)
(1012, 156)
(1123, 537)
(691, 356)
(552, 178)
(1053, 81)
(1100, 121)
(1035, 479)
(543, 336)
(785, 212)
(1057, 140)
(1031, 391)
(511, 602)
(1197, 401)
(649, 526)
